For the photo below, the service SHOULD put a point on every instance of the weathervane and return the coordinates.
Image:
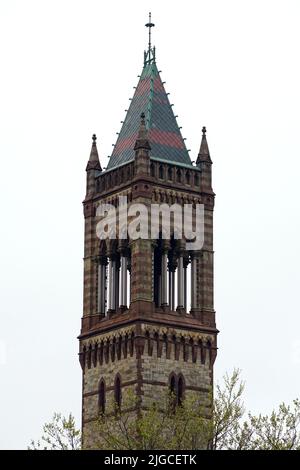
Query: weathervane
(149, 25)
(150, 50)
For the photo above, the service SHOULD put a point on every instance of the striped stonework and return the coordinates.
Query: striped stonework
(144, 356)
(143, 322)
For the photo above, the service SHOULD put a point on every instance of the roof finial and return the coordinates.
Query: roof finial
(94, 137)
(151, 51)
(203, 130)
(149, 25)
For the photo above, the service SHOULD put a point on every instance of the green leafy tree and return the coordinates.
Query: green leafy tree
(279, 431)
(59, 434)
(228, 411)
(158, 427)
(190, 426)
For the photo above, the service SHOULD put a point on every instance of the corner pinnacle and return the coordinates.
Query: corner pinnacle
(94, 162)
(142, 137)
(203, 155)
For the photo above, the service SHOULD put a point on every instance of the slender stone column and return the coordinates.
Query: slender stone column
(184, 289)
(171, 288)
(123, 281)
(172, 268)
(100, 289)
(164, 279)
(104, 287)
(180, 282)
(185, 265)
(112, 283)
(117, 283)
(101, 286)
(129, 274)
(194, 284)
(159, 289)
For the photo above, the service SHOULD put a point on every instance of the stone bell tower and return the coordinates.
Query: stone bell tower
(148, 316)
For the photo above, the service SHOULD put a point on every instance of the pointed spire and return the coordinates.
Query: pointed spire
(94, 162)
(142, 141)
(164, 135)
(203, 155)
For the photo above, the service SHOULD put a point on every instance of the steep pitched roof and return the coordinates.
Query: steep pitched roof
(164, 134)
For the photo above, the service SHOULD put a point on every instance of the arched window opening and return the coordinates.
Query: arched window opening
(119, 348)
(166, 344)
(118, 394)
(82, 357)
(156, 338)
(177, 388)
(170, 174)
(131, 344)
(187, 177)
(101, 402)
(196, 179)
(202, 352)
(208, 345)
(161, 172)
(89, 357)
(95, 355)
(180, 390)
(152, 169)
(113, 350)
(178, 176)
(173, 384)
(173, 393)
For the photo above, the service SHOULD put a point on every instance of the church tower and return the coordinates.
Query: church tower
(148, 316)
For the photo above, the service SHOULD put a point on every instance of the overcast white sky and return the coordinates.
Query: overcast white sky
(67, 69)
